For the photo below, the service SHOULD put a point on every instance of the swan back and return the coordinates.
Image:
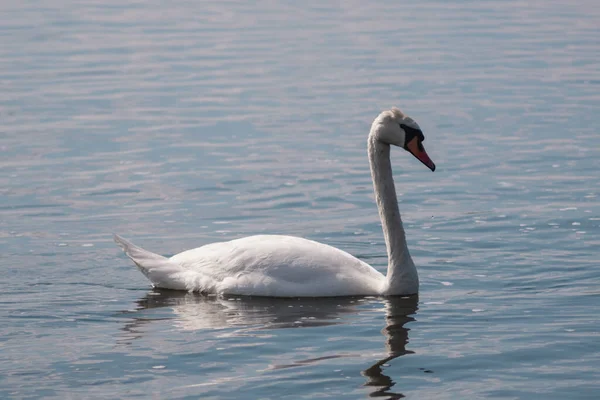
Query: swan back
(279, 266)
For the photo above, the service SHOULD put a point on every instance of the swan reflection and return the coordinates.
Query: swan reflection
(399, 311)
(254, 314)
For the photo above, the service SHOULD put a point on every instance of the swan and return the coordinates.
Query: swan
(289, 266)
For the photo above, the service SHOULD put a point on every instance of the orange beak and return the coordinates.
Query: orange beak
(415, 147)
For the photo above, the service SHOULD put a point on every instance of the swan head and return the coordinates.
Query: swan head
(393, 127)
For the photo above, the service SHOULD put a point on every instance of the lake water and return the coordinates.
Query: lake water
(179, 124)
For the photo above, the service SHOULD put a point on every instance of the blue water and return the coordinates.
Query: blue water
(179, 124)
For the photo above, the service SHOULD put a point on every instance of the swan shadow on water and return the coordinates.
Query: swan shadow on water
(251, 314)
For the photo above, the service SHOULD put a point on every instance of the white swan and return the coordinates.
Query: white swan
(288, 266)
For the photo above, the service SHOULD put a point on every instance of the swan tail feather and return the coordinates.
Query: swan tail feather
(161, 271)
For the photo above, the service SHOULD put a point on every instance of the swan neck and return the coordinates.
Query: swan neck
(402, 276)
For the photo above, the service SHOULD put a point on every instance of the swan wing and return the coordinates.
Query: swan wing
(262, 265)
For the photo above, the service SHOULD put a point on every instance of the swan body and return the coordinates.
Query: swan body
(261, 265)
(289, 266)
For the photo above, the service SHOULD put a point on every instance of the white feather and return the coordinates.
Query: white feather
(288, 266)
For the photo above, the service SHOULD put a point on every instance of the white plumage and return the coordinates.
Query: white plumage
(288, 266)
(261, 265)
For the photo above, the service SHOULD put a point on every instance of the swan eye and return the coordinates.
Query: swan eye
(410, 134)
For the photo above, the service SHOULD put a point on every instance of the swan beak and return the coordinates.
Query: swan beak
(415, 147)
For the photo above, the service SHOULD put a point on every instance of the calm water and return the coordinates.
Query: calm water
(181, 124)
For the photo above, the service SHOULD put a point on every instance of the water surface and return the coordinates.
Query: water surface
(177, 125)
